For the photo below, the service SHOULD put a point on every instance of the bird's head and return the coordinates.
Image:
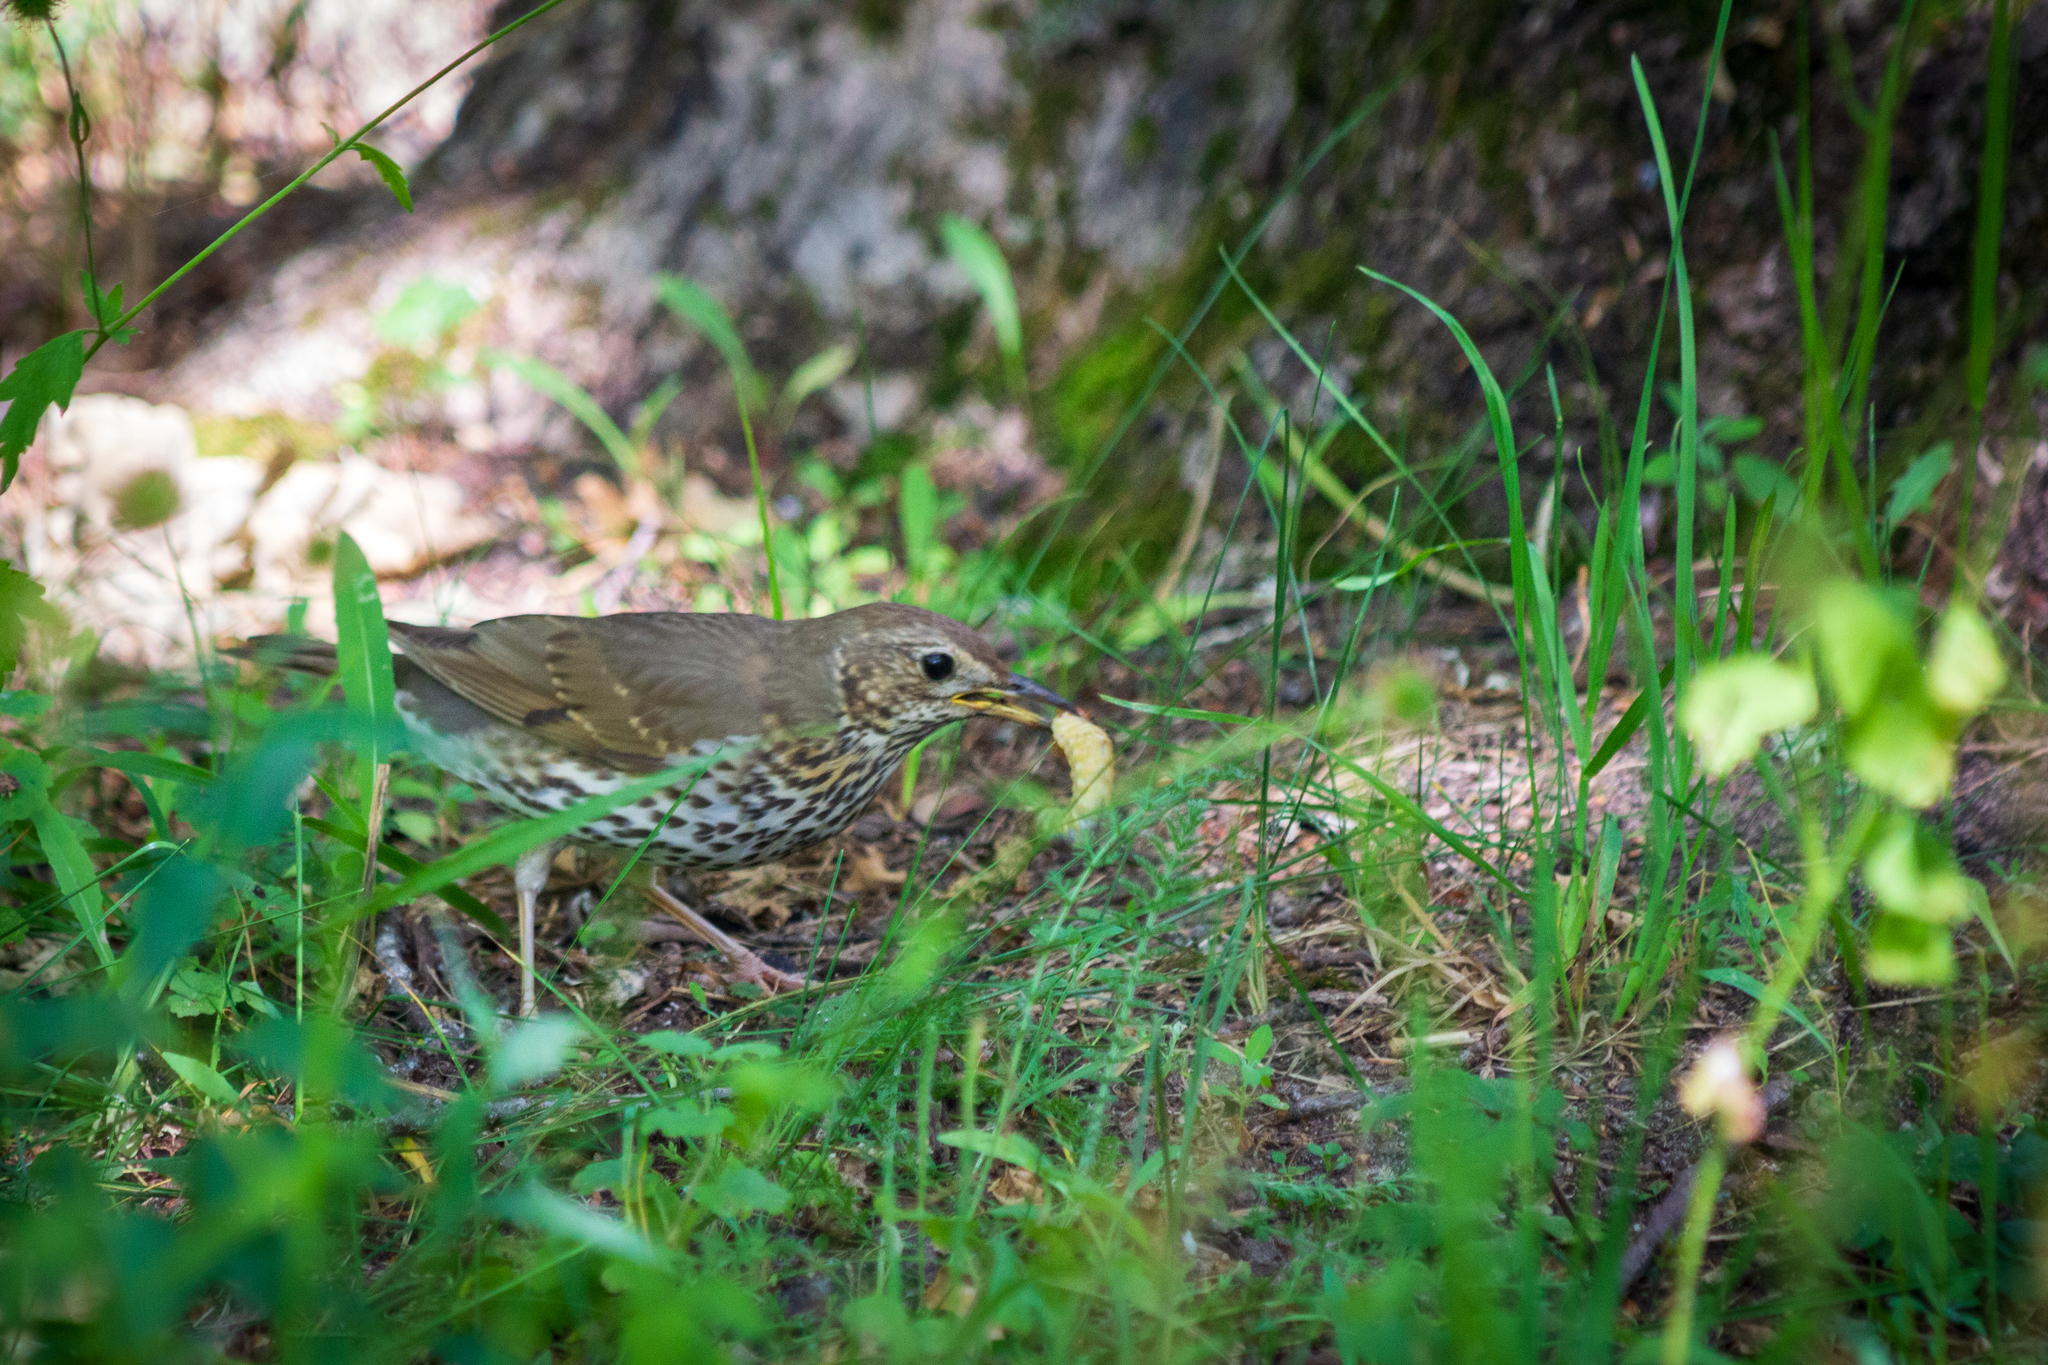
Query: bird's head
(907, 670)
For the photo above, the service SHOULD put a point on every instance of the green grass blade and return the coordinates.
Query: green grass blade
(551, 383)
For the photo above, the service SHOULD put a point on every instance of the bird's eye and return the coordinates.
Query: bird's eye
(938, 666)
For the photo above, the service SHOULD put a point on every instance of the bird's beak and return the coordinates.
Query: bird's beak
(1003, 701)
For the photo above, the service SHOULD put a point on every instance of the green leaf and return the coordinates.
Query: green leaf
(1914, 488)
(1964, 668)
(538, 1207)
(394, 178)
(738, 1191)
(1754, 989)
(609, 1174)
(405, 865)
(202, 1078)
(1912, 872)
(150, 765)
(363, 655)
(1761, 480)
(78, 880)
(1631, 721)
(689, 301)
(1733, 704)
(45, 376)
(533, 1050)
(1144, 708)
(650, 409)
(981, 260)
(677, 1044)
(195, 992)
(1905, 951)
(687, 1121)
(1862, 640)
(549, 382)
(103, 305)
(917, 510)
(23, 705)
(509, 840)
(1259, 1044)
(1014, 1148)
(821, 371)
(1895, 747)
(425, 311)
(21, 601)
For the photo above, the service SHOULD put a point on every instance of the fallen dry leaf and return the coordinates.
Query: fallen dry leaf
(1015, 1185)
(865, 871)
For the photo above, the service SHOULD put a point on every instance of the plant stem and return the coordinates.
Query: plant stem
(347, 144)
(1692, 1245)
(78, 124)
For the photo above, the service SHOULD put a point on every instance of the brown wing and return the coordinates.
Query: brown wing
(633, 690)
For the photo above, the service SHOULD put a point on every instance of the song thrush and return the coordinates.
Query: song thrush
(805, 719)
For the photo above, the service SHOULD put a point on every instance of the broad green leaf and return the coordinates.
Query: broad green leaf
(549, 382)
(405, 865)
(25, 798)
(609, 1174)
(542, 1209)
(1733, 704)
(1914, 488)
(687, 1121)
(425, 311)
(533, 1050)
(1912, 872)
(195, 991)
(694, 305)
(1862, 641)
(677, 1044)
(45, 376)
(202, 1078)
(1014, 1148)
(20, 703)
(1964, 668)
(394, 178)
(1895, 747)
(1905, 951)
(1760, 480)
(738, 1191)
(981, 260)
(766, 1086)
(21, 601)
(1259, 1044)
(322, 1056)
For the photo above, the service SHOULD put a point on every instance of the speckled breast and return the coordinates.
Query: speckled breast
(757, 801)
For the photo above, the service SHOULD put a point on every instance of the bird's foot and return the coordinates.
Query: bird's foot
(747, 964)
(751, 966)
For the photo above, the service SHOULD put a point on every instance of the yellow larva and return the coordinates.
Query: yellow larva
(1091, 762)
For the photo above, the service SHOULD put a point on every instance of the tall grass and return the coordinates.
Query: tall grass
(1028, 1130)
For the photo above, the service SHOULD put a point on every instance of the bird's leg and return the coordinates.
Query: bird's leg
(529, 879)
(751, 967)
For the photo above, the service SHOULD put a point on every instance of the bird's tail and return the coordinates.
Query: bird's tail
(299, 653)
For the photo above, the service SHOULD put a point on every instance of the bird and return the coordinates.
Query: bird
(791, 725)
